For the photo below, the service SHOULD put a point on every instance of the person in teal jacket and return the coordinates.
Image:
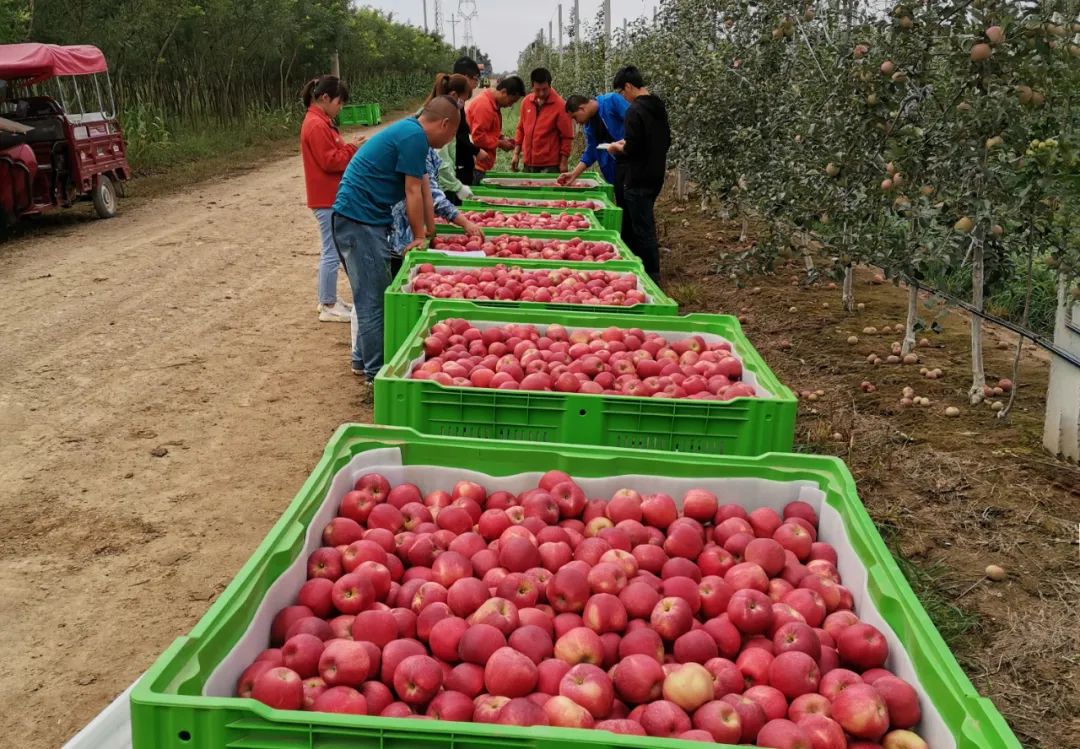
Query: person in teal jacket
(603, 120)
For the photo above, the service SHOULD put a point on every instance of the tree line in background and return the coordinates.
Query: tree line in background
(183, 64)
(935, 140)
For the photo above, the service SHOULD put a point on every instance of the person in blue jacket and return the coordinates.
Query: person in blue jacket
(603, 120)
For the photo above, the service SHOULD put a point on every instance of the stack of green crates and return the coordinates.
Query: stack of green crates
(503, 434)
(360, 114)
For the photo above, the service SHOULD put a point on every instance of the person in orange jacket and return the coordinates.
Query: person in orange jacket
(545, 132)
(484, 113)
(325, 154)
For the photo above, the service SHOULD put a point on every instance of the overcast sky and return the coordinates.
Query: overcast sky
(504, 27)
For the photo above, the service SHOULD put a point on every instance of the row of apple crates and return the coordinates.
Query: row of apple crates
(434, 435)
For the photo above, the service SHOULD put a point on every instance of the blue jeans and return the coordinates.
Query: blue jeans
(328, 257)
(365, 253)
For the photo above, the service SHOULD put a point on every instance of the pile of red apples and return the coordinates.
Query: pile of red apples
(550, 608)
(612, 361)
(525, 220)
(575, 249)
(594, 205)
(561, 285)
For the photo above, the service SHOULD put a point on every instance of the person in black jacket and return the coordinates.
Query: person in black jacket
(466, 151)
(643, 155)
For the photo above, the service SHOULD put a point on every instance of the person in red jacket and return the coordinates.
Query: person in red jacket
(484, 113)
(325, 154)
(545, 132)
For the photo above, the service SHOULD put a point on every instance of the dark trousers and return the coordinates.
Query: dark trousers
(541, 169)
(639, 227)
(453, 197)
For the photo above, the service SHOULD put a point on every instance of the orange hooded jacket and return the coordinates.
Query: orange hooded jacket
(545, 133)
(485, 126)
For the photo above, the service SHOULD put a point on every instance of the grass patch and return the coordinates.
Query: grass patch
(953, 622)
(686, 294)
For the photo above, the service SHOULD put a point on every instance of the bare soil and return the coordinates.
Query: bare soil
(165, 388)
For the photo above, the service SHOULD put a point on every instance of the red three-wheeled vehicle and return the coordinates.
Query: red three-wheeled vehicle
(60, 140)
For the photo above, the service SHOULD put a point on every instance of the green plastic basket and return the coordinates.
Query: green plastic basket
(402, 309)
(610, 216)
(168, 710)
(741, 426)
(590, 216)
(371, 114)
(352, 114)
(508, 181)
(597, 235)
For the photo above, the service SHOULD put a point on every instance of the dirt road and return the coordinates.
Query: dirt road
(188, 325)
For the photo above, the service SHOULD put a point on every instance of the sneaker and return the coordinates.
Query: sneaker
(338, 312)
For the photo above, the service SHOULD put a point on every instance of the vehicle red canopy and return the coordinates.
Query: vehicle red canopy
(32, 63)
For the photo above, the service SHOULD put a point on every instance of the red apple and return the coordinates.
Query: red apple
(861, 711)
(621, 726)
(639, 678)
(509, 673)
(345, 700)
(751, 715)
(532, 641)
(522, 712)
(665, 719)
(700, 505)
(900, 698)
(671, 617)
(862, 646)
(809, 704)
(750, 611)
(696, 646)
(794, 673)
(783, 734)
(479, 642)
(344, 663)
(590, 687)
(563, 711)
(824, 733)
(301, 654)
(417, 679)
(580, 645)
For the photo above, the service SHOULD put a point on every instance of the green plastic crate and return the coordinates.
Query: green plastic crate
(169, 711)
(590, 216)
(598, 235)
(351, 114)
(371, 114)
(402, 309)
(741, 426)
(610, 216)
(508, 180)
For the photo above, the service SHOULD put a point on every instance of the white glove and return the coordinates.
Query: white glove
(465, 192)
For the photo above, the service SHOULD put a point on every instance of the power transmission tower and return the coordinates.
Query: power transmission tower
(425, 17)
(438, 17)
(453, 31)
(467, 10)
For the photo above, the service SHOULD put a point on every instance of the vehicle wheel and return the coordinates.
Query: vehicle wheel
(105, 197)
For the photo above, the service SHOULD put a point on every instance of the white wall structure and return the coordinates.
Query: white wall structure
(1061, 434)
